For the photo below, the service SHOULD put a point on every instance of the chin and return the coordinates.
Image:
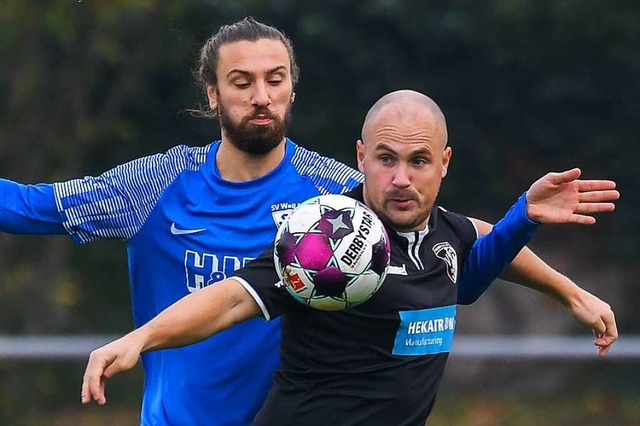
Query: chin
(401, 225)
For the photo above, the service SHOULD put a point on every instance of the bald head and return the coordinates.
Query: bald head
(405, 105)
(404, 157)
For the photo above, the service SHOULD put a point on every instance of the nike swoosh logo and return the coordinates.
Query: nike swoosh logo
(178, 231)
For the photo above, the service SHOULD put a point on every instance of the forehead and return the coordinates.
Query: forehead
(252, 57)
(407, 127)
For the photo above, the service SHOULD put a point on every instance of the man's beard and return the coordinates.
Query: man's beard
(251, 138)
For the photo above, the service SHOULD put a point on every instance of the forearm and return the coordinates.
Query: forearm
(528, 270)
(197, 316)
(492, 253)
(28, 209)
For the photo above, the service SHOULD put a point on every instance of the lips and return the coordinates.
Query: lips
(262, 116)
(261, 120)
(401, 201)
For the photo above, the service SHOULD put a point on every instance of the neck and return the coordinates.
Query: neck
(238, 166)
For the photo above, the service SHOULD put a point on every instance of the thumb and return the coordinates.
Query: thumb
(565, 177)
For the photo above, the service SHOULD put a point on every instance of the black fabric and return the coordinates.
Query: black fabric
(337, 368)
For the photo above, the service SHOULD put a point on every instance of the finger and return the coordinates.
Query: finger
(95, 388)
(603, 346)
(85, 395)
(582, 219)
(589, 208)
(598, 331)
(564, 177)
(606, 333)
(603, 351)
(92, 383)
(596, 185)
(102, 392)
(598, 196)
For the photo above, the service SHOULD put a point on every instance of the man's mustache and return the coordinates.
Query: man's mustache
(264, 112)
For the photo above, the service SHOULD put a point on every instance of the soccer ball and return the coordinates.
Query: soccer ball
(332, 253)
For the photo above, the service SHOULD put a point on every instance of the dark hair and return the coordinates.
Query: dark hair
(247, 29)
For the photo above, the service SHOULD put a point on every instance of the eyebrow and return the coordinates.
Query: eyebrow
(248, 74)
(383, 146)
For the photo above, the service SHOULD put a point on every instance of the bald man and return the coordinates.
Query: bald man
(379, 363)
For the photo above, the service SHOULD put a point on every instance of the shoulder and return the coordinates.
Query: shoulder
(461, 225)
(188, 155)
(167, 164)
(328, 174)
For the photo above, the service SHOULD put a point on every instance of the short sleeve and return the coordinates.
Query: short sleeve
(261, 280)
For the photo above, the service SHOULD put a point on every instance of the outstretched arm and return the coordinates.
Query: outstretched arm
(562, 198)
(189, 320)
(28, 209)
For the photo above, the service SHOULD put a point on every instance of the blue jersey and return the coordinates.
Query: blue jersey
(187, 228)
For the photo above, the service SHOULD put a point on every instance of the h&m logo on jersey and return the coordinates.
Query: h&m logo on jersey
(281, 211)
(447, 253)
(205, 269)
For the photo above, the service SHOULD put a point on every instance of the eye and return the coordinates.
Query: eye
(385, 159)
(420, 161)
(275, 81)
(242, 85)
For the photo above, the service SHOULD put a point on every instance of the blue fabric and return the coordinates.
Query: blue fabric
(492, 253)
(28, 209)
(187, 228)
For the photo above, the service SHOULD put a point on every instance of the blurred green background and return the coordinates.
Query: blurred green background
(527, 87)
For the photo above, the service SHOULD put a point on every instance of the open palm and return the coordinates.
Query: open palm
(563, 198)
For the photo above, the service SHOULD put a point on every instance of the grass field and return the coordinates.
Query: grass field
(473, 393)
(451, 410)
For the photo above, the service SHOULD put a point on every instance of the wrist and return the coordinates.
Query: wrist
(142, 338)
(567, 292)
(530, 210)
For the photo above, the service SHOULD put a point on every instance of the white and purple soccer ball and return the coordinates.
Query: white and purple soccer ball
(332, 253)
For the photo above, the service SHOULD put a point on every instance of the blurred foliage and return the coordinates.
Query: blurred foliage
(527, 87)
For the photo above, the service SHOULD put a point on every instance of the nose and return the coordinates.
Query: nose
(260, 95)
(401, 178)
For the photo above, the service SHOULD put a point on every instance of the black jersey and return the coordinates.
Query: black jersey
(379, 363)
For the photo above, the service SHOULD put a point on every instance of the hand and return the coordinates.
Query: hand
(598, 316)
(562, 198)
(105, 362)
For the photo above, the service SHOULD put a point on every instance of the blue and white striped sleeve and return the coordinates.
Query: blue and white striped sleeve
(117, 203)
(328, 175)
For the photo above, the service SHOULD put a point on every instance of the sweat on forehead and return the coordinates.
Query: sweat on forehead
(403, 104)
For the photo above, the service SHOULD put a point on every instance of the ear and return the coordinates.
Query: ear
(360, 154)
(446, 158)
(212, 94)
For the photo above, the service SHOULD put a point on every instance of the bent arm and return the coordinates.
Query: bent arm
(528, 270)
(189, 320)
(493, 252)
(28, 209)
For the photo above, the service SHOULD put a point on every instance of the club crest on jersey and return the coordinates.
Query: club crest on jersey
(447, 253)
(281, 211)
